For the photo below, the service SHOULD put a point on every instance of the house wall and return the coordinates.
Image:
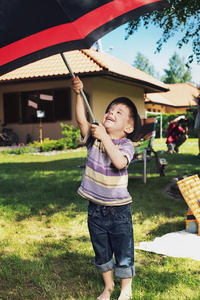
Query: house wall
(104, 90)
(101, 92)
(175, 110)
(164, 109)
(155, 108)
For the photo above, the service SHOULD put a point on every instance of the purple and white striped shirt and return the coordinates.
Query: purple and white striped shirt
(102, 183)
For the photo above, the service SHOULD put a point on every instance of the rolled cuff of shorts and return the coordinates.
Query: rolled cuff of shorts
(106, 267)
(125, 272)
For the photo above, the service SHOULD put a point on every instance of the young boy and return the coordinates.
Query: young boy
(104, 184)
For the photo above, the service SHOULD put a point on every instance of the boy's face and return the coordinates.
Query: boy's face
(117, 121)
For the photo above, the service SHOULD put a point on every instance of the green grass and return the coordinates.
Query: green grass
(44, 242)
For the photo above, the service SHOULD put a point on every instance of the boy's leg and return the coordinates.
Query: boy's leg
(98, 217)
(126, 289)
(109, 285)
(123, 245)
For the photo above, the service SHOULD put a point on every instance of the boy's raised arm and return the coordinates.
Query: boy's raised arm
(80, 110)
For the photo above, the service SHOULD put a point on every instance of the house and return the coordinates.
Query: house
(45, 86)
(178, 99)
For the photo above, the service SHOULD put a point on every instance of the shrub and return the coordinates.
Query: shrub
(49, 145)
(20, 150)
(71, 134)
(69, 142)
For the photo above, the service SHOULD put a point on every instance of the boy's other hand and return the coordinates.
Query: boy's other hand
(98, 131)
(77, 84)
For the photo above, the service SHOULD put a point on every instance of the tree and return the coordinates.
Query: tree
(142, 63)
(177, 72)
(181, 15)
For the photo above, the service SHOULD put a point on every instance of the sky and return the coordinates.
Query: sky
(144, 41)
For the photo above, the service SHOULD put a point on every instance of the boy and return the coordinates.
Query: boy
(104, 184)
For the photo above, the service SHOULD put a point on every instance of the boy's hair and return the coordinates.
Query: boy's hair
(133, 115)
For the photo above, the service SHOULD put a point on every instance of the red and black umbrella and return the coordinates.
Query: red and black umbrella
(34, 29)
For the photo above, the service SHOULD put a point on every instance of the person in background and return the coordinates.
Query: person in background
(176, 135)
(197, 121)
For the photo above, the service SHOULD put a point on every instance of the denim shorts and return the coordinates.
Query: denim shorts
(111, 233)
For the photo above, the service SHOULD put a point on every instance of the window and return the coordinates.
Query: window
(11, 107)
(62, 108)
(37, 100)
(22, 107)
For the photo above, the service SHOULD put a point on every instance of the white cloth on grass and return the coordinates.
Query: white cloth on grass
(175, 244)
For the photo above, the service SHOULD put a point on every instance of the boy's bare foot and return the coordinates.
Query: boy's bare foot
(125, 295)
(126, 290)
(109, 285)
(106, 293)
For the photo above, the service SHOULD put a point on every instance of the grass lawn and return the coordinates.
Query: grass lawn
(44, 242)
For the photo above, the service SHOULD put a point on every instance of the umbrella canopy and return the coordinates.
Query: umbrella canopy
(33, 29)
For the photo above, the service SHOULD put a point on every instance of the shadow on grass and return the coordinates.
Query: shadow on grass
(178, 165)
(159, 280)
(66, 275)
(35, 188)
(72, 275)
(150, 199)
(40, 187)
(167, 227)
(182, 164)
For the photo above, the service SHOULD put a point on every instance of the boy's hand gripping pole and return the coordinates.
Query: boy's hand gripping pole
(81, 90)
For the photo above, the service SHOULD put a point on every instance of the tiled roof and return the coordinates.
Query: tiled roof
(85, 62)
(116, 66)
(158, 98)
(54, 66)
(180, 95)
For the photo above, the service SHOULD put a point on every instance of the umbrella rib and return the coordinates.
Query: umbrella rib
(62, 8)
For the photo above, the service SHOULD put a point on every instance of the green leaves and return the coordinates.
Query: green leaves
(177, 72)
(142, 63)
(181, 15)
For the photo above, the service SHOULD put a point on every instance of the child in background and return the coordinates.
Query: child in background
(176, 135)
(104, 184)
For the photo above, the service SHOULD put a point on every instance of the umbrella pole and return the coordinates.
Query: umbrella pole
(81, 90)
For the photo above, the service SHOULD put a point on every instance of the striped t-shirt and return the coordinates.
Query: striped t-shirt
(102, 183)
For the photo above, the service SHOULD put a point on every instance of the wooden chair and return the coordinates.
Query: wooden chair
(144, 149)
(190, 189)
